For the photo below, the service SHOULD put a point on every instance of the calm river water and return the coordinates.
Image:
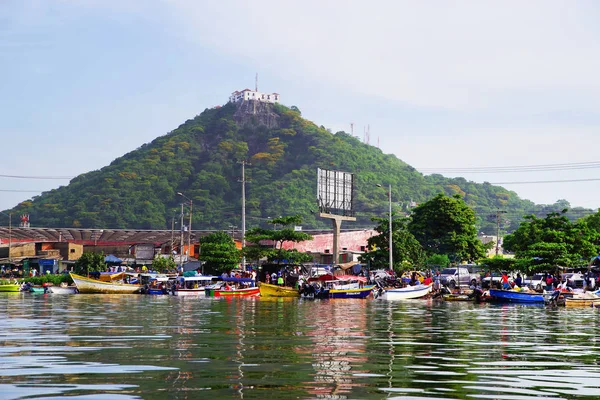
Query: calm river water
(163, 347)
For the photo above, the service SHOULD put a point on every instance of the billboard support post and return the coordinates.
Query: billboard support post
(335, 197)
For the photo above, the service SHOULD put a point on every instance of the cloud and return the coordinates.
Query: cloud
(453, 55)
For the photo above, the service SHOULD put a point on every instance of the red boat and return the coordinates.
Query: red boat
(222, 289)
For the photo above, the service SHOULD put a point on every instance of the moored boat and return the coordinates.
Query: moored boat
(239, 287)
(88, 285)
(192, 285)
(407, 293)
(511, 296)
(62, 289)
(10, 287)
(338, 287)
(268, 290)
(582, 300)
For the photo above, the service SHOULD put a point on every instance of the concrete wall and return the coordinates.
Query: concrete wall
(349, 240)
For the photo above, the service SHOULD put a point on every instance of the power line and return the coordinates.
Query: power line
(517, 168)
(555, 181)
(22, 191)
(35, 177)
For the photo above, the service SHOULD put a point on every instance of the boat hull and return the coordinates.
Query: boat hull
(191, 292)
(574, 302)
(509, 296)
(407, 293)
(62, 290)
(10, 288)
(268, 290)
(253, 291)
(87, 285)
(359, 293)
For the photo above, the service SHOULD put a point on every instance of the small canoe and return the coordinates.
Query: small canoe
(87, 285)
(37, 290)
(11, 287)
(407, 293)
(268, 290)
(357, 293)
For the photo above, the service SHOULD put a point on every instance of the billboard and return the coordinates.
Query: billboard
(335, 192)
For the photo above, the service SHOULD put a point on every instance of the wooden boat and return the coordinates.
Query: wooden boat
(222, 292)
(582, 300)
(10, 287)
(87, 285)
(62, 290)
(511, 296)
(239, 287)
(268, 290)
(407, 293)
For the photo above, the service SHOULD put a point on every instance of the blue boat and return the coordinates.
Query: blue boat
(509, 296)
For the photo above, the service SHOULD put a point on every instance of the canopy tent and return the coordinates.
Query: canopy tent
(112, 259)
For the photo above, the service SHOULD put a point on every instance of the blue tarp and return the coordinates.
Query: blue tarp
(112, 259)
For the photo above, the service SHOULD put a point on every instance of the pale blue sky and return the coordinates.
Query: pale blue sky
(441, 84)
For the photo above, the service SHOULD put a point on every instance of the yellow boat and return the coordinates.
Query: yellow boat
(268, 290)
(582, 301)
(88, 285)
(10, 287)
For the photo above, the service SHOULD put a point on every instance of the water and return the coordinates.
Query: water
(157, 347)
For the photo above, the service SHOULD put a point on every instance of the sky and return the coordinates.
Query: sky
(446, 86)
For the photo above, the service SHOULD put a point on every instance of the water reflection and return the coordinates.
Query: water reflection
(154, 347)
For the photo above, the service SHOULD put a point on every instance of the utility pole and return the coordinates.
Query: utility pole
(243, 180)
(181, 240)
(498, 214)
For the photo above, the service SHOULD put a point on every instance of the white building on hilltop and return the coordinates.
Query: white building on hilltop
(248, 94)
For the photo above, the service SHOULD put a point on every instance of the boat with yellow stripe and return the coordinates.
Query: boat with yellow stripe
(268, 290)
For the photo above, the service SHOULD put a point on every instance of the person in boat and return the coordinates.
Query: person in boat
(428, 280)
(504, 281)
(518, 281)
(280, 281)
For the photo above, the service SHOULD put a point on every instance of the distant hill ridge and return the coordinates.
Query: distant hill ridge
(201, 159)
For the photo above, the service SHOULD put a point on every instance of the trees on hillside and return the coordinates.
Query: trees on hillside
(446, 225)
(541, 244)
(256, 251)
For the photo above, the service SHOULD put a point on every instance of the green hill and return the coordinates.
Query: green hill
(201, 159)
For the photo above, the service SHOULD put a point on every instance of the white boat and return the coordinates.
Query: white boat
(62, 290)
(193, 285)
(87, 285)
(406, 293)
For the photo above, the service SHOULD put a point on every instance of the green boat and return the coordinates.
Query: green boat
(10, 287)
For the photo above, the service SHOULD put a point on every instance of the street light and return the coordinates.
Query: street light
(190, 224)
(390, 227)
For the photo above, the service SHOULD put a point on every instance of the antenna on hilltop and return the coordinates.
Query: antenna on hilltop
(367, 134)
(256, 83)
(352, 128)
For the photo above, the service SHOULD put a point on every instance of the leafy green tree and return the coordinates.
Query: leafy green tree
(89, 262)
(219, 253)
(541, 244)
(447, 225)
(438, 260)
(407, 252)
(499, 263)
(163, 264)
(280, 236)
